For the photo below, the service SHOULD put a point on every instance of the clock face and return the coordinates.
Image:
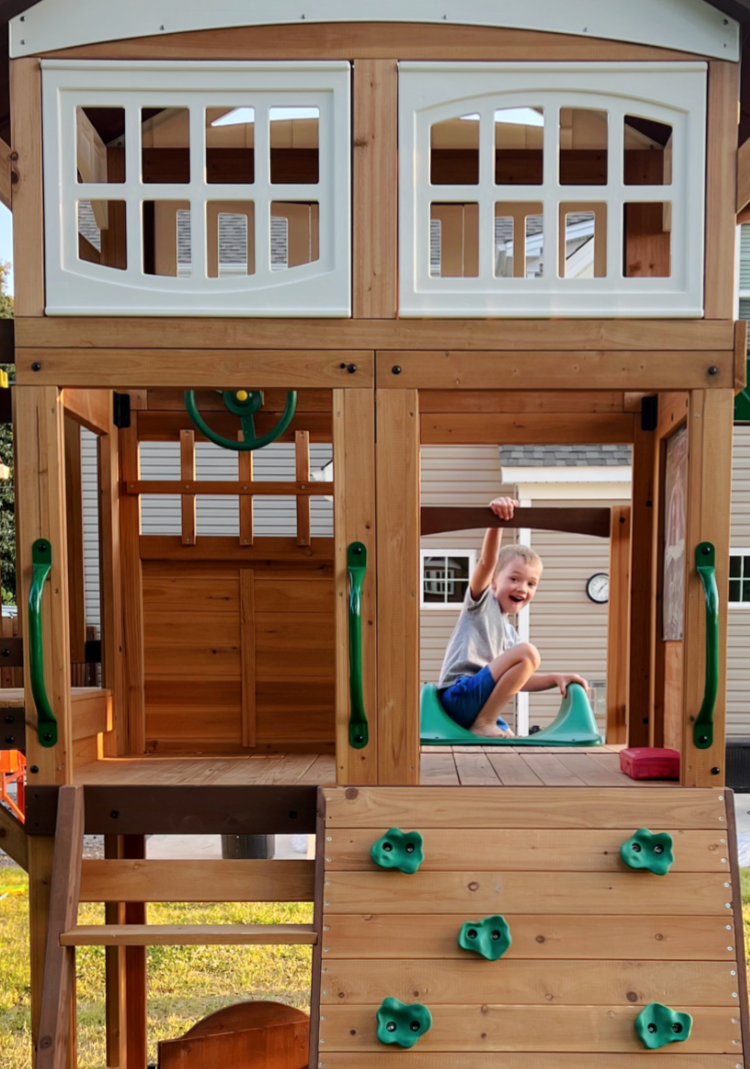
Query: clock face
(597, 588)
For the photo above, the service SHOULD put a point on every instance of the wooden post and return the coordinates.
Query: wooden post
(710, 427)
(113, 656)
(641, 616)
(247, 647)
(618, 627)
(354, 521)
(375, 181)
(26, 186)
(245, 474)
(114, 972)
(74, 528)
(398, 585)
(721, 188)
(187, 474)
(302, 475)
(56, 1039)
(134, 706)
(136, 1017)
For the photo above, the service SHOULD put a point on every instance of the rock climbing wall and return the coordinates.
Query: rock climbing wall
(579, 955)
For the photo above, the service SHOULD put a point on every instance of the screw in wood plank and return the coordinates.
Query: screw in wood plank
(396, 370)
(36, 366)
(713, 370)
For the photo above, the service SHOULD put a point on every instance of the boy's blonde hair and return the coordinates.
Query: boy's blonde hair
(509, 553)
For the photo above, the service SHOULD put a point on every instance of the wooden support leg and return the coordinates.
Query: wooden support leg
(187, 474)
(59, 964)
(136, 1016)
(618, 629)
(114, 913)
(302, 475)
(710, 427)
(133, 711)
(245, 463)
(398, 585)
(641, 575)
(115, 742)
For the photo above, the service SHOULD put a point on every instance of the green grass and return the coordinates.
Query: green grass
(184, 983)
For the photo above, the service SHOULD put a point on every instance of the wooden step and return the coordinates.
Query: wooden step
(145, 935)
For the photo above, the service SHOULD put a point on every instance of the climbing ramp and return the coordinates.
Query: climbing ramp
(529, 929)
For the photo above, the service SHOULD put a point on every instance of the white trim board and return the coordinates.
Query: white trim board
(685, 25)
(574, 473)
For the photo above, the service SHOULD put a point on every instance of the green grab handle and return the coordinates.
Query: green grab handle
(705, 564)
(356, 562)
(245, 408)
(41, 559)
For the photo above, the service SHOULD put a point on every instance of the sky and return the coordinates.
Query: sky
(6, 241)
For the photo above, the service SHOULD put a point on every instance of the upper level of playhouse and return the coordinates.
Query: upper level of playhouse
(547, 159)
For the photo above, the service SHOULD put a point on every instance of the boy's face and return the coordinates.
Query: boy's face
(516, 585)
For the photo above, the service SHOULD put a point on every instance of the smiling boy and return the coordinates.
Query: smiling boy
(486, 663)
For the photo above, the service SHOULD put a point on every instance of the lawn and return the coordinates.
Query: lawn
(184, 983)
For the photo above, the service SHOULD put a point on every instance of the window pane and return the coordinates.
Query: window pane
(294, 145)
(230, 145)
(647, 244)
(100, 144)
(230, 238)
(434, 567)
(745, 567)
(459, 239)
(457, 568)
(456, 591)
(519, 146)
(734, 589)
(735, 566)
(534, 246)
(166, 238)
(648, 152)
(583, 147)
(454, 152)
(746, 589)
(503, 246)
(583, 250)
(101, 233)
(165, 144)
(294, 235)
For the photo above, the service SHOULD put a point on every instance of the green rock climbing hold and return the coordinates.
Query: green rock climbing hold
(401, 1023)
(490, 937)
(398, 850)
(657, 1025)
(649, 850)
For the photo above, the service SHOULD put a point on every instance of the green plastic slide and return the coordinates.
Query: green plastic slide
(574, 725)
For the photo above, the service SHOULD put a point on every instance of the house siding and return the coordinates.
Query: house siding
(738, 636)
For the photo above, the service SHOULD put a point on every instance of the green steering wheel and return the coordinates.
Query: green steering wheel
(242, 403)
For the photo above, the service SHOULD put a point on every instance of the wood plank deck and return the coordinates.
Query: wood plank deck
(518, 766)
(266, 769)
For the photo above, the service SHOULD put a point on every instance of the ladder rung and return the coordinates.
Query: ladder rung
(140, 935)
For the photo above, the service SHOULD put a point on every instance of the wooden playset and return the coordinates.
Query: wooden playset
(330, 232)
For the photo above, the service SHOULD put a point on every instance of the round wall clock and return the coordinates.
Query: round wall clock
(597, 588)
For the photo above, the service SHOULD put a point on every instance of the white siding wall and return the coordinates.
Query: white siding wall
(569, 630)
(466, 475)
(738, 638)
(90, 482)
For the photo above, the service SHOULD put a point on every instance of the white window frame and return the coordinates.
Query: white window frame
(455, 606)
(738, 604)
(672, 93)
(77, 287)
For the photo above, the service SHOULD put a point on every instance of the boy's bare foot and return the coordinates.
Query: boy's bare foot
(490, 731)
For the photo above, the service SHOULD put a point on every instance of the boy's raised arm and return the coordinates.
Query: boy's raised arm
(485, 569)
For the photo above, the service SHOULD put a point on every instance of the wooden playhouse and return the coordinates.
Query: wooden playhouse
(341, 236)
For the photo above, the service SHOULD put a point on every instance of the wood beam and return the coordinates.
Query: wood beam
(55, 1034)
(188, 368)
(740, 354)
(710, 427)
(397, 466)
(113, 655)
(375, 179)
(618, 626)
(5, 182)
(506, 335)
(135, 1003)
(226, 487)
(743, 177)
(464, 428)
(90, 408)
(187, 475)
(74, 530)
(26, 187)
(355, 521)
(721, 188)
(13, 838)
(132, 711)
(138, 880)
(561, 370)
(588, 521)
(639, 648)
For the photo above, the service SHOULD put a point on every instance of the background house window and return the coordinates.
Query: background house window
(739, 577)
(445, 577)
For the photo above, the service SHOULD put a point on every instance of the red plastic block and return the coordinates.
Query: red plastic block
(650, 762)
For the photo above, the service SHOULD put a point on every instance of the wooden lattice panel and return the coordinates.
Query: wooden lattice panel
(593, 941)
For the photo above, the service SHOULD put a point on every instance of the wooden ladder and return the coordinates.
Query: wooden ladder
(137, 880)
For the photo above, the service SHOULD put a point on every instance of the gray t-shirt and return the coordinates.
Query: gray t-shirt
(481, 634)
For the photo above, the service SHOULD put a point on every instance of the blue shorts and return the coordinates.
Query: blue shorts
(464, 700)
